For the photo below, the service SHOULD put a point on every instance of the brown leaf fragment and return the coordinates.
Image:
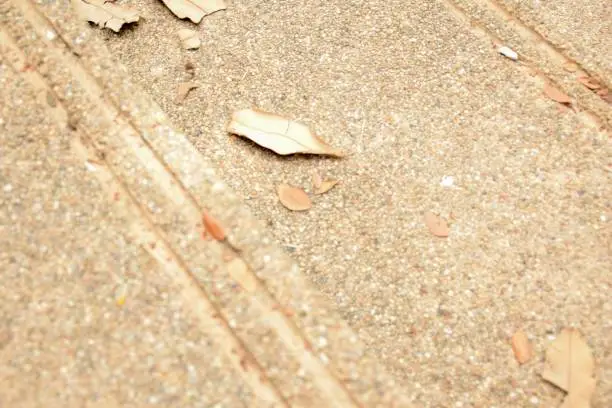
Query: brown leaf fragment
(570, 366)
(437, 225)
(293, 198)
(211, 225)
(239, 271)
(182, 90)
(189, 39)
(556, 95)
(104, 13)
(278, 134)
(570, 67)
(523, 351)
(194, 10)
(589, 82)
(326, 186)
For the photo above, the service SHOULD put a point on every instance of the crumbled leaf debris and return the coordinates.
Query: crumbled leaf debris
(194, 10)
(189, 39)
(182, 90)
(105, 14)
(325, 186)
(278, 134)
(212, 227)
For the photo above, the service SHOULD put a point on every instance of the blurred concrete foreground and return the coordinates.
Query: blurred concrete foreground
(114, 294)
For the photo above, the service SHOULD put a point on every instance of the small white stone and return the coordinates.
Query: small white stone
(90, 167)
(508, 52)
(50, 34)
(7, 188)
(447, 181)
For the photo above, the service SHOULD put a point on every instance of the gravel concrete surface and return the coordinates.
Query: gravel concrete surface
(434, 120)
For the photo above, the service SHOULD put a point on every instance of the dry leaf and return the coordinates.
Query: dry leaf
(182, 91)
(570, 366)
(570, 67)
(437, 225)
(239, 271)
(556, 95)
(293, 198)
(194, 10)
(278, 134)
(521, 347)
(211, 225)
(589, 82)
(326, 186)
(105, 14)
(189, 39)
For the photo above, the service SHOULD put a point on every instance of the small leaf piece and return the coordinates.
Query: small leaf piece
(293, 198)
(182, 91)
(437, 225)
(570, 367)
(589, 83)
(189, 39)
(194, 10)
(326, 186)
(104, 13)
(239, 271)
(523, 352)
(278, 134)
(211, 225)
(556, 95)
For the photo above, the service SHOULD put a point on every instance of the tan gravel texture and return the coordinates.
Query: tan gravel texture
(418, 95)
(115, 295)
(435, 121)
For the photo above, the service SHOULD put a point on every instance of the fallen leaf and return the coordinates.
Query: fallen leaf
(211, 225)
(570, 366)
(589, 82)
(316, 181)
(278, 134)
(105, 14)
(523, 352)
(326, 186)
(556, 95)
(437, 225)
(182, 90)
(293, 198)
(239, 271)
(189, 39)
(194, 10)
(570, 67)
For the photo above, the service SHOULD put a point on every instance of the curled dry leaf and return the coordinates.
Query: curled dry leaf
(239, 271)
(556, 95)
(182, 91)
(278, 134)
(437, 225)
(104, 13)
(194, 10)
(211, 225)
(293, 198)
(521, 347)
(589, 83)
(570, 366)
(326, 186)
(189, 39)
